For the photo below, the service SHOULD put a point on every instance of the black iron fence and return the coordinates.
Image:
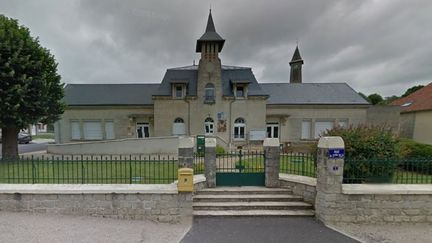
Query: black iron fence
(396, 171)
(102, 169)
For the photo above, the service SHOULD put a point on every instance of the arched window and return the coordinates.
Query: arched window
(178, 120)
(178, 126)
(209, 93)
(239, 128)
(209, 125)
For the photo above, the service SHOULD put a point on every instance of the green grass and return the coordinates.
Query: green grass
(43, 136)
(291, 164)
(89, 172)
(408, 177)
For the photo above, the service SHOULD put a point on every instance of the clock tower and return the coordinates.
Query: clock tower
(296, 67)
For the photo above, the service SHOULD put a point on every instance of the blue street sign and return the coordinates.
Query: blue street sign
(336, 153)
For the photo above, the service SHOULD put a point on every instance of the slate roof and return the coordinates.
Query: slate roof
(230, 74)
(109, 94)
(420, 100)
(312, 93)
(296, 56)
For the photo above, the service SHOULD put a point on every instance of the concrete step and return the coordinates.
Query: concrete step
(250, 190)
(213, 206)
(246, 198)
(234, 213)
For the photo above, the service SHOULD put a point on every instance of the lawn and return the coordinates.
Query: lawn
(43, 136)
(297, 164)
(89, 171)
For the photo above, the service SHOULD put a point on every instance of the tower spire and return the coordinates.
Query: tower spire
(296, 67)
(210, 35)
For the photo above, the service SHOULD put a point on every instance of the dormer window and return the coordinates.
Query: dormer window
(179, 91)
(240, 88)
(240, 91)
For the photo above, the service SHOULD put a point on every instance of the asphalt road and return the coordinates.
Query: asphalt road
(31, 147)
(261, 229)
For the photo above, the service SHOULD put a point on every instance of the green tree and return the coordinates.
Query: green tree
(375, 98)
(412, 90)
(30, 88)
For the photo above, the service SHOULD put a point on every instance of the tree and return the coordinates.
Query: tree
(375, 98)
(412, 90)
(30, 88)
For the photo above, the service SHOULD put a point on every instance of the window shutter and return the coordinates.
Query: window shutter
(109, 130)
(306, 130)
(75, 130)
(179, 129)
(92, 131)
(321, 127)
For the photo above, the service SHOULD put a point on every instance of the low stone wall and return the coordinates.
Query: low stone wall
(300, 185)
(381, 204)
(161, 203)
(154, 145)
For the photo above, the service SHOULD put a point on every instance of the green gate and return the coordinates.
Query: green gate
(240, 169)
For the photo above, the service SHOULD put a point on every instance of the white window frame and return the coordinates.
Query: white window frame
(272, 126)
(143, 126)
(109, 129)
(92, 133)
(306, 129)
(209, 126)
(182, 90)
(75, 129)
(239, 129)
(209, 92)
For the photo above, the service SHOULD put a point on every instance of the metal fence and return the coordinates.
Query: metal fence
(198, 163)
(298, 164)
(102, 169)
(396, 171)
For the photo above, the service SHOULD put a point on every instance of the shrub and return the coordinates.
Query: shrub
(220, 150)
(416, 157)
(364, 142)
(365, 146)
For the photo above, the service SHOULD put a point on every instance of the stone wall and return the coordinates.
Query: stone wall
(384, 115)
(161, 203)
(337, 203)
(300, 185)
(153, 145)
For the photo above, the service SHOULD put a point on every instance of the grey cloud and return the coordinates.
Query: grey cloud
(375, 46)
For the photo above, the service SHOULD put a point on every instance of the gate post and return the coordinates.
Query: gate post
(272, 155)
(210, 162)
(186, 152)
(330, 162)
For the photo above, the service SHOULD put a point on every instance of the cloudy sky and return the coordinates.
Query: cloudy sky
(382, 46)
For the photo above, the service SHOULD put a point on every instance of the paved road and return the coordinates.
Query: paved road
(261, 229)
(31, 147)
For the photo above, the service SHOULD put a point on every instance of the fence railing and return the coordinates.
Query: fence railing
(396, 171)
(103, 169)
(198, 164)
(240, 161)
(297, 164)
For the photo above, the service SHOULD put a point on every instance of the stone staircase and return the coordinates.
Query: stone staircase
(249, 201)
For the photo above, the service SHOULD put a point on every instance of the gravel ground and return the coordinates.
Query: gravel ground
(411, 233)
(23, 227)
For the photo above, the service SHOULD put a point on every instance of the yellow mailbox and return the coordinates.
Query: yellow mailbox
(185, 180)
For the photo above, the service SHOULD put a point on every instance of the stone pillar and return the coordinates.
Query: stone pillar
(330, 163)
(210, 162)
(272, 155)
(186, 152)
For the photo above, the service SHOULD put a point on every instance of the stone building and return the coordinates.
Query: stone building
(211, 99)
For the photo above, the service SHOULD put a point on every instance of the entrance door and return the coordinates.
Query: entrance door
(240, 169)
(143, 130)
(272, 130)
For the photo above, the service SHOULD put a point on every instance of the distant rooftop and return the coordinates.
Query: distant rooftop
(421, 100)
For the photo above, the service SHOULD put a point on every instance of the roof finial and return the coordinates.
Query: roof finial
(210, 8)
